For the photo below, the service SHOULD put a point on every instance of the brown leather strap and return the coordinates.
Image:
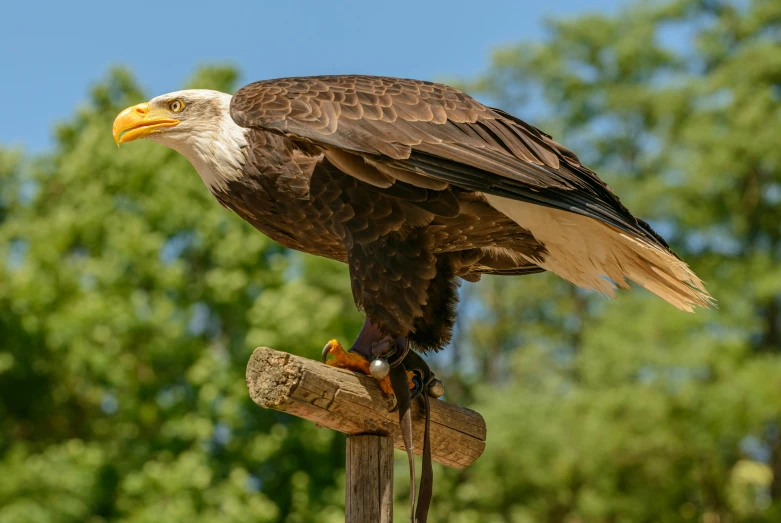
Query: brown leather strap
(398, 377)
(399, 380)
(427, 475)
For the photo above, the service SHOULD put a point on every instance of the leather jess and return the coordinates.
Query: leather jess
(422, 378)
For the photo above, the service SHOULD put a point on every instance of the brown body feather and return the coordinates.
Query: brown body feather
(404, 245)
(414, 184)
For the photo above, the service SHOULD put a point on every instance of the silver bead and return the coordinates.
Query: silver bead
(436, 388)
(379, 368)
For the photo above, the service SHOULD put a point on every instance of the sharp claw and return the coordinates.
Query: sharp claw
(326, 351)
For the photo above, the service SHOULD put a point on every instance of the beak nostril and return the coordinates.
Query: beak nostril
(141, 109)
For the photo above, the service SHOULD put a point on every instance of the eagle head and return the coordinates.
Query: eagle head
(172, 117)
(194, 122)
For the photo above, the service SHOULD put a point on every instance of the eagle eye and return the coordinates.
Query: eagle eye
(176, 106)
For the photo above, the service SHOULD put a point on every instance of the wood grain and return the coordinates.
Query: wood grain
(353, 403)
(369, 479)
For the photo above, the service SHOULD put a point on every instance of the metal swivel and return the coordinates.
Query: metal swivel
(379, 368)
(436, 388)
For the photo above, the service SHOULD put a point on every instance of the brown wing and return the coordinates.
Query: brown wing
(432, 135)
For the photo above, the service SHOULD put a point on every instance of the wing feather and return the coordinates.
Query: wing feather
(413, 125)
(432, 136)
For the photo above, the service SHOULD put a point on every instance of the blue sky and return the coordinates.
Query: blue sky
(51, 52)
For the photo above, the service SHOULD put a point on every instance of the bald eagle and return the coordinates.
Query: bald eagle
(414, 185)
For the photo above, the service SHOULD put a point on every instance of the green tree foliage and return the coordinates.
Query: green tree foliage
(130, 302)
(632, 411)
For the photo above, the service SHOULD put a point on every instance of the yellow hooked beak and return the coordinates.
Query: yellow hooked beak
(140, 121)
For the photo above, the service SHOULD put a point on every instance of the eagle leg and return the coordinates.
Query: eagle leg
(351, 361)
(369, 344)
(372, 342)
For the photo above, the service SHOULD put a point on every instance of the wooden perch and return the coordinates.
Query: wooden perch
(353, 404)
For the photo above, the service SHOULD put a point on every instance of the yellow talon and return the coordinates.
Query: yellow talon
(345, 360)
(357, 363)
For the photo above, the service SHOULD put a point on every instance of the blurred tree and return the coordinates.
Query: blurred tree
(129, 304)
(632, 411)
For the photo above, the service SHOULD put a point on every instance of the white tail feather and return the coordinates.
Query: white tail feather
(596, 256)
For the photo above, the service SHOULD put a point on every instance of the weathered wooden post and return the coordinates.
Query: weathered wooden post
(353, 404)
